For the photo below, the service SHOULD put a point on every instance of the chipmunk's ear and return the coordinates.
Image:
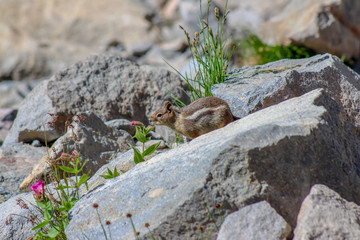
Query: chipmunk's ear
(169, 107)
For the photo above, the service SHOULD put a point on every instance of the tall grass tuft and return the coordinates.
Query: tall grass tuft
(210, 55)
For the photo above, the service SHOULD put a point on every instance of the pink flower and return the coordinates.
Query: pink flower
(38, 188)
(136, 123)
(75, 152)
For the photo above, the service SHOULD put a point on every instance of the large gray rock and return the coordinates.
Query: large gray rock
(111, 87)
(324, 214)
(32, 118)
(20, 227)
(324, 25)
(16, 163)
(252, 159)
(95, 142)
(253, 222)
(253, 88)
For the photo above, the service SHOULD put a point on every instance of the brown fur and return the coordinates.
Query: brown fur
(200, 117)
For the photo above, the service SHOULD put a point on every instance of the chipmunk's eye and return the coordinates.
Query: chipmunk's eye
(159, 115)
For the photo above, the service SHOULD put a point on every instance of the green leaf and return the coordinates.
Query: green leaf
(48, 214)
(65, 187)
(68, 170)
(116, 173)
(83, 179)
(148, 130)
(137, 155)
(82, 166)
(65, 224)
(107, 176)
(53, 232)
(43, 205)
(41, 225)
(111, 174)
(151, 149)
(139, 135)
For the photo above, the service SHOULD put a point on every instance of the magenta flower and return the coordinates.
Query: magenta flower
(38, 188)
(136, 123)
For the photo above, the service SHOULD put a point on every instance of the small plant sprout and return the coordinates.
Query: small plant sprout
(140, 135)
(112, 174)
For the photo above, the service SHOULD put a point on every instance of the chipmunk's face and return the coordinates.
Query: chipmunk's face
(163, 116)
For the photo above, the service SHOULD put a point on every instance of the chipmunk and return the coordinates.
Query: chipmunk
(200, 117)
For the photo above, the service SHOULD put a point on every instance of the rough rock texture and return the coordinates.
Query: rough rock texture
(253, 222)
(41, 37)
(121, 124)
(111, 87)
(257, 87)
(32, 118)
(324, 214)
(16, 163)
(325, 25)
(123, 163)
(245, 162)
(95, 142)
(20, 228)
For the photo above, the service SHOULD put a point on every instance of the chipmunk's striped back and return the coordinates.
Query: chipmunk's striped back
(200, 117)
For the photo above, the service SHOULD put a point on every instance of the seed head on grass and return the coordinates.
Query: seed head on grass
(96, 206)
(217, 15)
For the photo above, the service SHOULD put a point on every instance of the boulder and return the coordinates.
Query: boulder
(324, 214)
(326, 26)
(31, 122)
(252, 159)
(256, 221)
(16, 163)
(94, 141)
(110, 87)
(252, 88)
